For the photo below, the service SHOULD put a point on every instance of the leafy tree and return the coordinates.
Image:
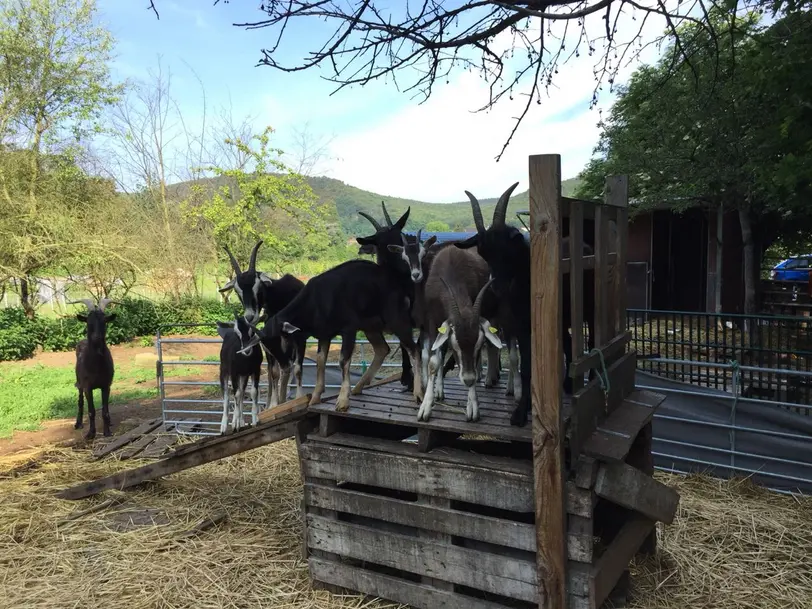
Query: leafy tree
(54, 84)
(262, 199)
(437, 226)
(728, 127)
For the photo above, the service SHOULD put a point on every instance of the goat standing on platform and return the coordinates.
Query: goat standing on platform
(239, 363)
(94, 364)
(259, 293)
(454, 291)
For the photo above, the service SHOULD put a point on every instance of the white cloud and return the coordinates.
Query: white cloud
(435, 151)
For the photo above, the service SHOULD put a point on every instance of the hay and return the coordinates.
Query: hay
(732, 545)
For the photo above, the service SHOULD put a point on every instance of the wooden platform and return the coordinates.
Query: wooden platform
(389, 404)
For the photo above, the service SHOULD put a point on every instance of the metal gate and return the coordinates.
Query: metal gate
(194, 406)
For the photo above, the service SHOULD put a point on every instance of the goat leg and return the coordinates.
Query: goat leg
(297, 367)
(424, 413)
(406, 374)
(284, 381)
(425, 355)
(449, 364)
(472, 405)
(80, 412)
(520, 413)
(255, 399)
(345, 359)
(226, 400)
(238, 411)
(494, 363)
(91, 415)
(105, 395)
(321, 363)
(381, 350)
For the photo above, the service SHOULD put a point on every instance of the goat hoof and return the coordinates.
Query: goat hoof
(90, 435)
(314, 400)
(342, 404)
(509, 391)
(78, 426)
(108, 433)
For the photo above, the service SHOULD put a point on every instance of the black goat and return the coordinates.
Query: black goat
(259, 293)
(239, 362)
(355, 295)
(456, 284)
(508, 255)
(94, 364)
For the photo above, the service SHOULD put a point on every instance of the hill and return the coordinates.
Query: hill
(348, 200)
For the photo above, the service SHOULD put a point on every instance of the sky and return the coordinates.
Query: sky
(381, 140)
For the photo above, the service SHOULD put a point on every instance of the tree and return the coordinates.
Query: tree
(54, 84)
(507, 42)
(310, 151)
(730, 129)
(263, 199)
(437, 226)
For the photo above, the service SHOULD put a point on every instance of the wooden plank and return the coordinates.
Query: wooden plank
(93, 509)
(493, 573)
(629, 487)
(579, 539)
(613, 439)
(579, 501)
(602, 334)
(590, 407)
(162, 442)
(615, 560)
(576, 278)
(617, 194)
(580, 581)
(611, 350)
(640, 457)
(586, 471)
(281, 410)
(128, 437)
(384, 381)
(546, 319)
(392, 588)
(136, 447)
(444, 454)
(441, 519)
(473, 484)
(203, 525)
(436, 537)
(207, 452)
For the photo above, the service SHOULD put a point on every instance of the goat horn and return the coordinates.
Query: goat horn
(252, 263)
(106, 301)
(480, 224)
(478, 301)
(386, 215)
(419, 232)
(234, 264)
(372, 220)
(454, 305)
(403, 240)
(88, 302)
(500, 211)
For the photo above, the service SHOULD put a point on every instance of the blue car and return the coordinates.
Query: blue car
(793, 269)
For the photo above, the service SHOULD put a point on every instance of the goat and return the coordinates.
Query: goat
(94, 364)
(355, 295)
(239, 362)
(419, 255)
(508, 255)
(257, 293)
(377, 244)
(454, 290)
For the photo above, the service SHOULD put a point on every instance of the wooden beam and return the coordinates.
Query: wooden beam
(221, 448)
(576, 279)
(601, 328)
(276, 412)
(627, 486)
(615, 560)
(546, 347)
(617, 194)
(610, 351)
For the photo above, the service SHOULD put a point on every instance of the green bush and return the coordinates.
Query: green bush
(18, 338)
(135, 317)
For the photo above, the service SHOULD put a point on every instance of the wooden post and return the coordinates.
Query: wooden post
(577, 287)
(547, 374)
(617, 194)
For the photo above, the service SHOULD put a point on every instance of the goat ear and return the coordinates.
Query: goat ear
(468, 243)
(491, 334)
(365, 240)
(395, 249)
(430, 241)
(109, 317)
(223, 328)
(265, 279)
(228, 286)
(442, 335)
(81, 317)
(289, 328)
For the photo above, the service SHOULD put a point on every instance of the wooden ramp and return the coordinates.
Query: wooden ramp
(275, 424)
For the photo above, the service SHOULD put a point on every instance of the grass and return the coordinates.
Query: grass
(30, 395)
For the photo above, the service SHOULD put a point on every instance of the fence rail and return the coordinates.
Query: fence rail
(770, 356)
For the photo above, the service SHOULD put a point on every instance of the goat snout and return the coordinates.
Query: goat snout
(417, 276)
(468, 378)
